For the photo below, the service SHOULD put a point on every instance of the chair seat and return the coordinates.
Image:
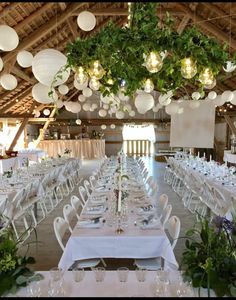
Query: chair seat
(151, 264)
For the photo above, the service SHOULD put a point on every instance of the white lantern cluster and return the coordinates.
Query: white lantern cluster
(45, 65)
(24, 59)
(73, 107)
(86, 21)
(226, 96)
(144, 102)
(9, 39)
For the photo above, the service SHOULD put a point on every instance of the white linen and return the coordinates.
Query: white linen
(229, 157)
(32, 154)
(8, 163)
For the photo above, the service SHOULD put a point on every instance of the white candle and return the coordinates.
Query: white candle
(210, 157)
(190, 151)
(198, 154)
(204, 154)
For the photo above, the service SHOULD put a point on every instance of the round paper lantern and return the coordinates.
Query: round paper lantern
(102, 113)
(81, 98)
(67, 105)
(155, 109)
(94, 106)
(94, 84)
(128, 107)
(107, 99)
(87, 92)
(40, 93)
(194, 104)
(172, 108)
(165, 99)
(219, 101)
(113, 126)
(113, 109)
(80, 87)
(227, 96)
(63, 89)
(1, 64)
(122, 96)
(45, 65)
(86, 106)
(144, 102)
(196, 95)
(132, 113)
(233, 101)
(75, 107)
(78, 122)
(9, 39)
(86, 21)
(59, 103)
(212, 95)
(105, 106)
(46, 112)
(120, 114)
(103, 127)
(37, 114)
(8, 81)
(24, 59)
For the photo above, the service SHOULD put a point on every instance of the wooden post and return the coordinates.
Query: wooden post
(231, 124)
(20, 130)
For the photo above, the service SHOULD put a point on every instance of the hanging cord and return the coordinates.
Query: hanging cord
(230, 26)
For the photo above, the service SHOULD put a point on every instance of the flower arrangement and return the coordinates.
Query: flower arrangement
(97, 134)
(14, 272)
(67, 151)
(210, 256)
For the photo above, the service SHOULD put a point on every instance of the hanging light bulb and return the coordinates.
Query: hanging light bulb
(80, 75)
(153, 62)
(94, 84)
(110, 81)
(188, 68)
(148, 86)
(96, 70)
(206, 77)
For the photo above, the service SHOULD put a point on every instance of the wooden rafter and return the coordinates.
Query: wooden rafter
(183, 24)
(230, 123)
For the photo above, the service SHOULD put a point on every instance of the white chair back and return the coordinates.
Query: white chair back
(166, 214)
(69, 214)
(60, 227)
(92, 181)
(83, 194)
(76, 203)
(173, 227)
(87, 187)
(163, 201)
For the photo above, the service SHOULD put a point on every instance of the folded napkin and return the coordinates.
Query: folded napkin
(151, 223)
(99, 209)
(145, 209)
(103, 188)
(92, 223)
(98, 200)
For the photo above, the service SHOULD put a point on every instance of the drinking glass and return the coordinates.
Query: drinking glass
(56, 288)
(141, 274)
(78, 274)
(56, 273)
(123, 273)
(34, 288)
(99, 273)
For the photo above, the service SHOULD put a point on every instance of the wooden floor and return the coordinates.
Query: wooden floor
(47, 251)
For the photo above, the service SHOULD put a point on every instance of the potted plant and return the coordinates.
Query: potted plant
(14, 272)
(209, 258)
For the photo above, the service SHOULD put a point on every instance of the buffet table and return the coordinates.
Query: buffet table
(229, 157)
(79, 148)
(32, 154)
(8, 163)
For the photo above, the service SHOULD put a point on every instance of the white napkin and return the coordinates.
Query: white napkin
(95, 210)
(152, 224)
(98, 199)
(142, 210)
(88, 224)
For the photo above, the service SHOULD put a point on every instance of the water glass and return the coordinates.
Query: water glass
(56, 273)
(141, 274)
(99, 273)
(34, 288)
(123, 273)
(56, 288)
(78, 274)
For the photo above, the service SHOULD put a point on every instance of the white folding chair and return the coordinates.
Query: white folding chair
(153, 264)
(83, 194)
(92, 181)
(87, 187)
(77, 204)
(69, 214)
(166, 214)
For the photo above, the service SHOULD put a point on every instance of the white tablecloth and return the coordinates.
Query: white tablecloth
(8, 163)
(79, 148)
(110, 287)
(32, 155)
(229, 157)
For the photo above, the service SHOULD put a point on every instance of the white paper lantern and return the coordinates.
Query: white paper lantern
(180, 110)
(128, 107)
(81, 98)
(132, 113)
(94, 106)
(212, 95)
(107, 99)
(144, 102)
(80, 87)
(37, 114)
(40, 93)
(8, 82)
(196, 95)
(165, 99)
(122, 96)
(75, 107)
(233, 101)
(172, 108)
(59, 103)
(63, 89)
(219, 101)
(155, 109)
(102, 113)
(103, 127)
(67, 105)
(87, 92)
(46, 112)
(105, 106)
(86, 21)
(45, 65)
(9, 39)
(113, 109)
(113, 126)
(194, 104)
(120, 114)
(230, 67)
(78, 122)
(86, 106)
(1, 64)
(24, 59)
(227, 96)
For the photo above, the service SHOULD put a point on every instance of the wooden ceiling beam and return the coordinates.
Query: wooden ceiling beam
(183, 24)
(200, 22)
(18, 72)
(73, 28)
(93, 122)
(230, 123)
(43, 30)
(7, 9)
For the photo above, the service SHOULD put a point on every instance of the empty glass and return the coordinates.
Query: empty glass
(99, 273)
(78, 274)
(56, 273)
(34, 288)
(141, 274)
(123, 273)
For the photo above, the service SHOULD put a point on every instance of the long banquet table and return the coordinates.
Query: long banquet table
(105, 242)
(84, 148)
(8, 163)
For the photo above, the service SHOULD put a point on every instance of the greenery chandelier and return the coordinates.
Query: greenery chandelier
(147, 55)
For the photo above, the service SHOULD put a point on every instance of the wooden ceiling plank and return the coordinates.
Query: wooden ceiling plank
(73, 28)
(183, 24)
(230, 123)
(200, 22)
(7, 9)
(23, 75)
(20, 130)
